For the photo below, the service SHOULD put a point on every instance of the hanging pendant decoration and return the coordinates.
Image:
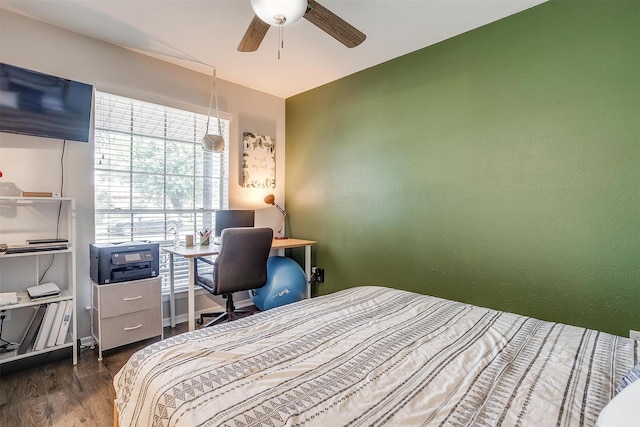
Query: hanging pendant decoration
(213, 142)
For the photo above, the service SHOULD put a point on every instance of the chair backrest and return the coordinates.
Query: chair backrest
(241, 264)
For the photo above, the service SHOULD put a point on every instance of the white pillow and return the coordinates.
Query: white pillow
(622, 410)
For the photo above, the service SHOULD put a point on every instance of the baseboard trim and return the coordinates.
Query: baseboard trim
(181, 318)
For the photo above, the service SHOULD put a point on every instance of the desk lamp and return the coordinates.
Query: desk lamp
(270, 199)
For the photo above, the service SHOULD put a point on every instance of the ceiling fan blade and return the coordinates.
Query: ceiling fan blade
(253, 36)
(333, 25)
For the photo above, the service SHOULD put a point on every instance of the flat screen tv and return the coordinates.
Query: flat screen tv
(33, 103)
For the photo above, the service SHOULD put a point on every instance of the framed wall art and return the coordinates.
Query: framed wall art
(258, 161)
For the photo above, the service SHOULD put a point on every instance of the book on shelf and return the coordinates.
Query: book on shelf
(20, 248)
(8, 298)
(30, 337)
(52, 241)
(57, 322)
(46, 290)
(64, 327)
(45, 328)
(39, 194)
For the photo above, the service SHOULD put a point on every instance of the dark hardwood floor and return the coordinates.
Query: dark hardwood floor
(56, 393)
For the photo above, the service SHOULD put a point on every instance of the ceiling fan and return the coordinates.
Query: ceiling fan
(286, 12)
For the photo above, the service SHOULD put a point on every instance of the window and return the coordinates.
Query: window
(152, 177)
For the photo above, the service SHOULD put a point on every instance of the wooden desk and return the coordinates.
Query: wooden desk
(193, 252)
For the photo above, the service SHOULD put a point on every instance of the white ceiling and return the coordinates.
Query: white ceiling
(196, 32)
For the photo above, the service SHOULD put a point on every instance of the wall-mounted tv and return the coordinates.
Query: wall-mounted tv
(33, 103)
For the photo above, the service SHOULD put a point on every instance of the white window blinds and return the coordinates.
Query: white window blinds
(152, 177)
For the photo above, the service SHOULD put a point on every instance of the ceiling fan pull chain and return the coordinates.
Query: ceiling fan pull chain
(281, 39)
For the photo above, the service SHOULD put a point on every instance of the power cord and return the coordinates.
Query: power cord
(317, 276)
(6, 346)
(313, 278)
(53, 257)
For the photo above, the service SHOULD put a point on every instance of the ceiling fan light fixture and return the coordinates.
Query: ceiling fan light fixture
(279, 12)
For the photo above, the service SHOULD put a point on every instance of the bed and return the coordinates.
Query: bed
(373, 356)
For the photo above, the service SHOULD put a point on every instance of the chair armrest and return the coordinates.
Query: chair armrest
(202, 281)
(205, 260)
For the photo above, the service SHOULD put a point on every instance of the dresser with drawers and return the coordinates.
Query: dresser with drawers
(126, 312)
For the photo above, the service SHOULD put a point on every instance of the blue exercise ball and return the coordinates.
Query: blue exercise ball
(286, 283)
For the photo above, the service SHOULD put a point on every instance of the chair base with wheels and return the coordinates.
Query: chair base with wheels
(230, 314)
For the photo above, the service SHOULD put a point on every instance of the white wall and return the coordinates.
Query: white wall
(33, 164)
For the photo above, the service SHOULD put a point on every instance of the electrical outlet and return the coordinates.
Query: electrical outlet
(319, 272)
(314, 274)
(634, 335)
(6, 314)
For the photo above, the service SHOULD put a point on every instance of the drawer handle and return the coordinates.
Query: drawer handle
(131, 328)
(132, 298)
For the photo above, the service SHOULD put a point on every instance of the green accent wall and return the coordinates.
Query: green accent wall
(499, 168)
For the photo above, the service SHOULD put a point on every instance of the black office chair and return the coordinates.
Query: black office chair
(241, 265)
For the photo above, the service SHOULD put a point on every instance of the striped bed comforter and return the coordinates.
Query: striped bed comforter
(372, 356)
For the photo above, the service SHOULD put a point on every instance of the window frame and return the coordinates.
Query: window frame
(200, 216)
